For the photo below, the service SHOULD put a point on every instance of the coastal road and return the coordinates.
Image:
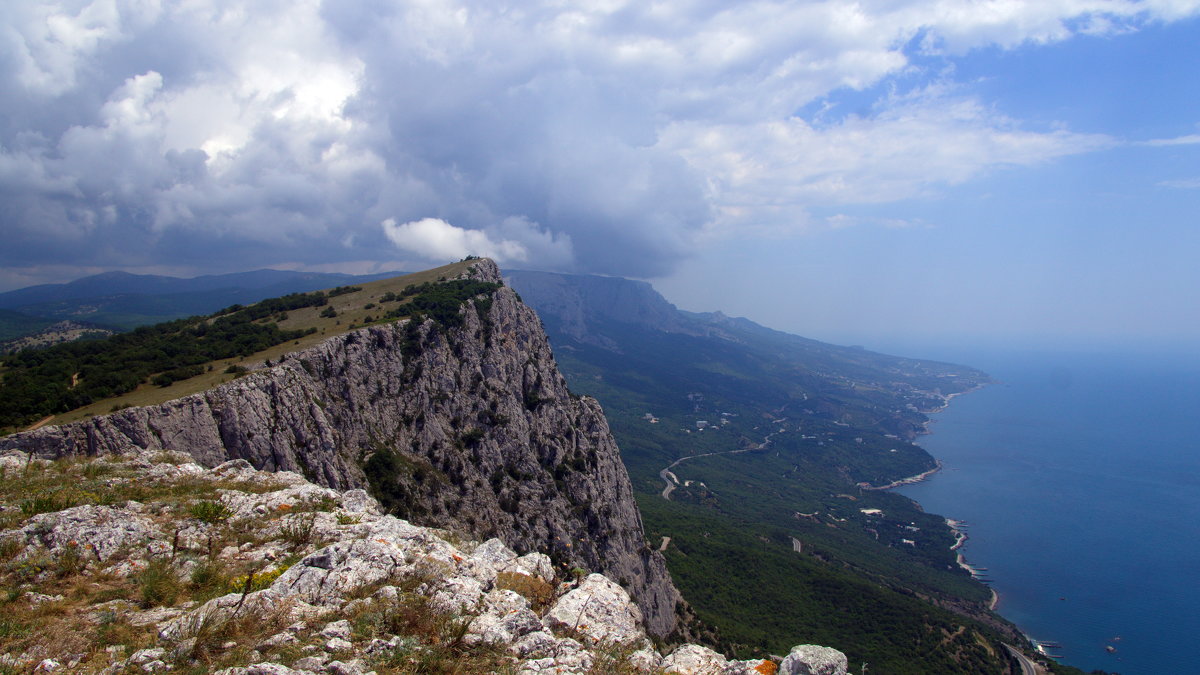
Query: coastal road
(666, 474)
(1028, 667)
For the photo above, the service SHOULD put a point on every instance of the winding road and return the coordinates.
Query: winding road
(672, 481)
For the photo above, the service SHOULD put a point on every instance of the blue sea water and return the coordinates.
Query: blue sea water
(1079, 478)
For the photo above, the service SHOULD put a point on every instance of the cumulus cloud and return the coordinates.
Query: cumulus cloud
(604, 137)
(511, 243)
(926, 140)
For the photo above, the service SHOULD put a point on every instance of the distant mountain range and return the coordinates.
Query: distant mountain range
(122, 301)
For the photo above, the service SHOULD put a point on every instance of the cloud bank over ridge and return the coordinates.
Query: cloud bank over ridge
(604, 137)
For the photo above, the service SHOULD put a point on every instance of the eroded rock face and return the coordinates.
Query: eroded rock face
(471, 428)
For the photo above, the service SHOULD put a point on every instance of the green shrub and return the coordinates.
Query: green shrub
(210, 512)
(208, 580)
(48, 502)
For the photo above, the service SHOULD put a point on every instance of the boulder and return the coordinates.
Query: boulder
(813, 660)
(694, 660)
(599, 610)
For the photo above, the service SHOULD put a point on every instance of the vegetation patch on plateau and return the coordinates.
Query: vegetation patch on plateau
(152, 364)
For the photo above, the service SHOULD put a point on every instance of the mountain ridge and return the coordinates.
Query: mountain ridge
(124, 300)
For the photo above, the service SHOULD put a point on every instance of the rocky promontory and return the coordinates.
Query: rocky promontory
(466, 425)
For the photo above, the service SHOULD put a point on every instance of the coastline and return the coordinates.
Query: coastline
(946, 399)
(956, 526)
(905, 481)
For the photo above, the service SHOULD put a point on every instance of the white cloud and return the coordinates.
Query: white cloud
(1183, 183)
(609, 136)
(511, 243)
(757, 172)
(1191, 139)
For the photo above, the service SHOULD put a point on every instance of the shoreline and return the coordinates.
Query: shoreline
(911, 480)
(946, 399)
(956, 526)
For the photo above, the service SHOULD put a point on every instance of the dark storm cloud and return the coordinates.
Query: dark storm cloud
(601, 137)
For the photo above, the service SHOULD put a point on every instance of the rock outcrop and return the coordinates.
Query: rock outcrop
(244, 572)
(469, 427)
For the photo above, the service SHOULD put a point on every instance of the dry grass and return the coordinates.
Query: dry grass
(218, 640)
(89, 611)
(433, 639)
(539, 593)
(350, 309)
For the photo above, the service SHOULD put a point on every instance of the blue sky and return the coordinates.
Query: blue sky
(870, 172)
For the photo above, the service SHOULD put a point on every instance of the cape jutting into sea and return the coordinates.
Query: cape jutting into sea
(1078, 478)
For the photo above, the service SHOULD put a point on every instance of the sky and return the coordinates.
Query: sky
(864, 172)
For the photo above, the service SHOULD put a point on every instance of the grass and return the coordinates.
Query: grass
(435, 638)
(77, 619)
(351, 312)
(45, 487)
(209, 512)
(159, 584)
(539, 593)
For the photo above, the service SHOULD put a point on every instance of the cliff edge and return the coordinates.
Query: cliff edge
(466, 425)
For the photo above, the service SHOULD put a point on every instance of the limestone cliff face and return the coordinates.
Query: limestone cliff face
(471, 428)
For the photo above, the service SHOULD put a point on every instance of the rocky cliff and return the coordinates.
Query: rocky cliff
(469, 427)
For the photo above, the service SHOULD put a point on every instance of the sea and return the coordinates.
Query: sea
(1078, 478)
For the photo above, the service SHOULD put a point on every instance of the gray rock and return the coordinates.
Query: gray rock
(646, 660)
(559, 656)
(144, 656)
(694, 660)
(456, 594)
(97, 532)
(338, 645)
(750, 667)
(358, 501)
(537, 643)
(313, 663)
(278, 640)
(264, 669)
(325, 577)
(339, 629)
(507, 618)
(599, 610)
(355, 667)
(813, 660)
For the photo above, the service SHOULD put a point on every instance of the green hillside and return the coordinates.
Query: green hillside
(15, 324)
(782, 469)
(153, 364)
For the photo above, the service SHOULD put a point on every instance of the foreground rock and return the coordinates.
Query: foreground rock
(245, 572)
